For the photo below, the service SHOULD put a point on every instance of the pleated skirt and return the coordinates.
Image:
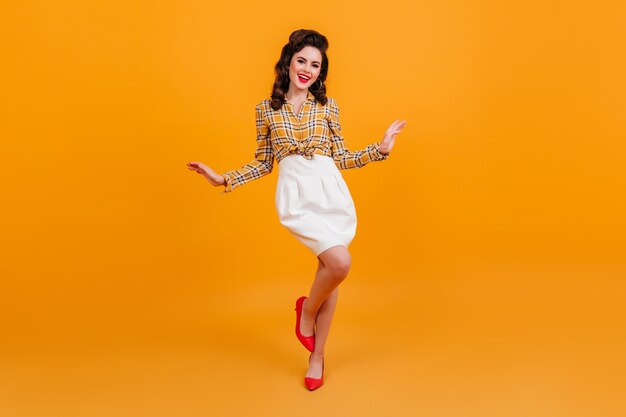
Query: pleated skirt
(314, 203)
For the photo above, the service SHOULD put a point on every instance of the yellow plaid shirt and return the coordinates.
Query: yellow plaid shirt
(315, 131)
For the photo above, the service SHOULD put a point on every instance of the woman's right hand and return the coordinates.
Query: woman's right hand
(213, 177)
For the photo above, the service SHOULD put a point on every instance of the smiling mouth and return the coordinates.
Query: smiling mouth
(303, 79)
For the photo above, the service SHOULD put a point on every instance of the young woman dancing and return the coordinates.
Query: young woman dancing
(299, 128)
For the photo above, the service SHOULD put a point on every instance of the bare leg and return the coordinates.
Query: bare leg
(322, 329)
(332, 270)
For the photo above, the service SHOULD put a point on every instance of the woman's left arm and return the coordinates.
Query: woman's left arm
(346, 159)
(390, 136)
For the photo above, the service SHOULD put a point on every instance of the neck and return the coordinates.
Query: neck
(295, 94)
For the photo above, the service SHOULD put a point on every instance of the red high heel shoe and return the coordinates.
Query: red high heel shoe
(314, 383)
(307, 341)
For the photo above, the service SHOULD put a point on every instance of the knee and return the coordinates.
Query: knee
(338, 262)
(341, 266)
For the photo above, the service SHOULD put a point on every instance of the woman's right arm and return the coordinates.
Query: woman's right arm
(213, 177)
(263, 161)
(261, 165)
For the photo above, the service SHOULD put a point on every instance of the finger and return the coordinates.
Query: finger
(399, 127)
(391, 127)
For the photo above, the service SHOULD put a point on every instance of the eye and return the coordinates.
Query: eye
(300, 61)
(316, 66)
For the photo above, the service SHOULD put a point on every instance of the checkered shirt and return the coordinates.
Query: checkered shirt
(316, 131)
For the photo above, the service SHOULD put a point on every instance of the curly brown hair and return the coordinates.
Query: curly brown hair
(297, 41)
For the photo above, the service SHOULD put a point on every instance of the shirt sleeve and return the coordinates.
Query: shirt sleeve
(344, 158)
(263, 161)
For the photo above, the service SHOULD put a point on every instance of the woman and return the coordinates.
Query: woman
(299, 128)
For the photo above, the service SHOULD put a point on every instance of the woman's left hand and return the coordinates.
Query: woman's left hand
(390, 136)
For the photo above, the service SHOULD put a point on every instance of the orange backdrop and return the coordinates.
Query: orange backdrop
(490, 256)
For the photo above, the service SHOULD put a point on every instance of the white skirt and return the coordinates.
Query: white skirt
(314, 203)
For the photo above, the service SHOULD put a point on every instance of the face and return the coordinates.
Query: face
(305, 68)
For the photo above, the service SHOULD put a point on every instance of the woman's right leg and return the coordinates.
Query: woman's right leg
(322, 329)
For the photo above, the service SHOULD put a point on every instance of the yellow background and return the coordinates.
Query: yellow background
(489, 263)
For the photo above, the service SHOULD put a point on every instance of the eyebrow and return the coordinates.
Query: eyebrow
(300, 56)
